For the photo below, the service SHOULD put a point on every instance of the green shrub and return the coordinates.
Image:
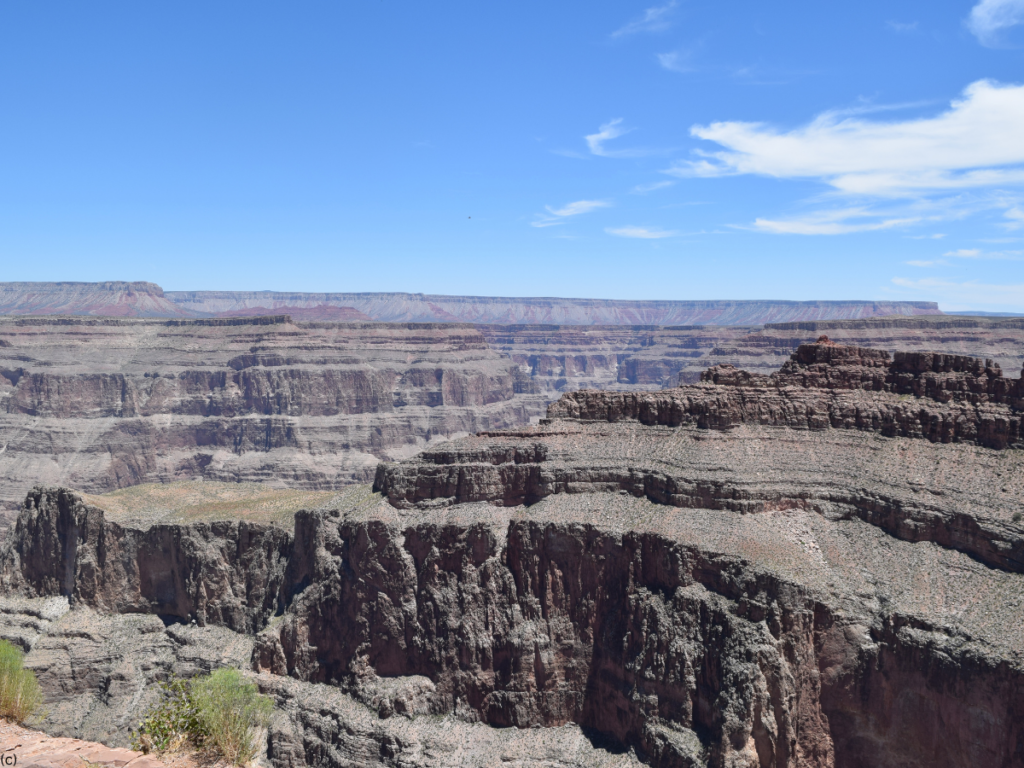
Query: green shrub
(19, 691)
(218, 710)
(234, 713)
(172, 722)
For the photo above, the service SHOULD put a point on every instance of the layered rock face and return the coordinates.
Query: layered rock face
(113, 299)
(623, 584)
(956, 398)
(106, 403)
(148, 300)
(418, 307)
(643, 358)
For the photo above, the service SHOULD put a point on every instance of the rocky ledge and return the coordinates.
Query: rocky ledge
(632, 582)
(941, 397)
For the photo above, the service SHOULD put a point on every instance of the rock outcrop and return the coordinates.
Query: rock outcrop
(227, 574)
(103, 403)
(621, 584)
(112, 299)
(953, 398)
(37, 750)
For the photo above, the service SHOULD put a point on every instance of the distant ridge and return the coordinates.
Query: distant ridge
(418, 307)
(124, 299)
(115, 298)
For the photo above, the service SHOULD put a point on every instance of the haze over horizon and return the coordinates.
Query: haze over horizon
(674, 150)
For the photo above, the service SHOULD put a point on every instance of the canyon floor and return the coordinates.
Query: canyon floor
(823, 566)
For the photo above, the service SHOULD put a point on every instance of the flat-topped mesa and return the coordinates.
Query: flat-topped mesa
(939, 397)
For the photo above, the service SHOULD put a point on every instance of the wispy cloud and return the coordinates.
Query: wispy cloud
(936, 236)
(643, 189)
(921, 263)
(1016, 217)
(976, 143)
(580, 206)
(832, 222)
(613, 129)
(990, 17)
(610, 130)
(654, 19)
(677, 61)
(977, 253)
(556, 215)
(642, 233)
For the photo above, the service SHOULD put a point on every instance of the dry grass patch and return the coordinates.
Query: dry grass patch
(205, 501)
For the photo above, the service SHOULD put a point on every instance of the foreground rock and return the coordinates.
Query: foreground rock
(34, 749)
(726, 574)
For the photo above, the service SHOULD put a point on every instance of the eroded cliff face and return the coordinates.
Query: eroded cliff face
(226, 574)
(738, 592)
(945, 398)
(104, 403)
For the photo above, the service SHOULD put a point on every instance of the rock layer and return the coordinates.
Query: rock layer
(103, 403)
(107, 403)
(149, 300)
(741, 592)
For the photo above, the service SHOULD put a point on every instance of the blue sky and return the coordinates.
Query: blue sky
(682, 150)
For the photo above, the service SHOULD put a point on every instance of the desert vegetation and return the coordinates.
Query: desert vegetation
(219, 711)
(20, 697)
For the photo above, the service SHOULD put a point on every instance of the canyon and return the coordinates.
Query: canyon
(818, 566)
(101, 403)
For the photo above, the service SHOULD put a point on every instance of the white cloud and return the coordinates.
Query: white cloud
(990, 17)
(963, 295)
(1016, 217)
(613, 129)
(833, 222)
(676, 61)
(580, 206)
(643, 189)
(641, 232)
(976, 143)
(610, 130)
(936, 236)
(555, 215)
(654, 20)
(919, 263)
(975, 253)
